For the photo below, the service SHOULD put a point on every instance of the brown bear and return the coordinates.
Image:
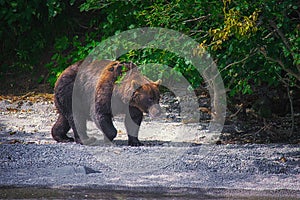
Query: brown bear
(97, 90)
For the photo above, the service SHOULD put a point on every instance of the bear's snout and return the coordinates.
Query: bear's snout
(155, 110)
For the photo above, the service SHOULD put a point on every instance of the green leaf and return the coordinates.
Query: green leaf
(72, 2)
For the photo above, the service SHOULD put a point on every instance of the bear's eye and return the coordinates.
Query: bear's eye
(111, 69)
(151, 99)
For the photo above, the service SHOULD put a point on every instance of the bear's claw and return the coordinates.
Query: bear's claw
(134, 141)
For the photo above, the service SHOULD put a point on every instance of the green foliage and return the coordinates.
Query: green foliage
(30, 28)
(235, 24)
(16, 18)
(254, 43)
(66, 52)
(163, 61)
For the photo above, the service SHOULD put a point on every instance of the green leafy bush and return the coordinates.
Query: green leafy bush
(253, 43)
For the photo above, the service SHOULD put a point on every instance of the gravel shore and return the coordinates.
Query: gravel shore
(167, 164)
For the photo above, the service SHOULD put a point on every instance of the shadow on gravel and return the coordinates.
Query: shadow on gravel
(159, 143)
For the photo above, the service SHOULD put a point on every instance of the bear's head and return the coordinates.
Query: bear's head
(117, 68)
(120, 70)
(146, 97)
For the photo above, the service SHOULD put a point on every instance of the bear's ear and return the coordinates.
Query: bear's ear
(111, 69)
(113, 66)
(120, 68)
(134, 84)
(158, 82)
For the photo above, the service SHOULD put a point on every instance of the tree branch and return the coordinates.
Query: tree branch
(289, 71)
(240, 61)
(292, 110)
(197, 19)
(281, 35)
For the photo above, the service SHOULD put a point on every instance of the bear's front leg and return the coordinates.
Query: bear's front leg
(106, 125)
(133, 120)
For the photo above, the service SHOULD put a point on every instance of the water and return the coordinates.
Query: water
(46, 193)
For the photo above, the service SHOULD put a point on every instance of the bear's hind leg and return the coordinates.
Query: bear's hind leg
(78, 125)
(60, 129)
